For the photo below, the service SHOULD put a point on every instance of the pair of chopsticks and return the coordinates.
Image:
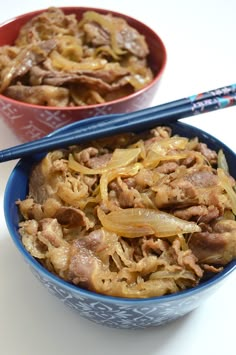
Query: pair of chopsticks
(107, 125)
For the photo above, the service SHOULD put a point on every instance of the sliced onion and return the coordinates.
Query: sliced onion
(160, 151)
(139, 222)
(222, 162)
(139, 144)
(110, 175)
(62, 63)
(120, 157)
(152, 160)
(226, 184)
(163, 146)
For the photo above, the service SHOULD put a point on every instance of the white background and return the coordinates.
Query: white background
(201, 46)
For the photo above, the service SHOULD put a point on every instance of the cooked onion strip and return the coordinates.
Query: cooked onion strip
(120, 157)
(167, 144)
(67, 65)
(221, 161)
(110, 175)
(226, 183)
(140, 222)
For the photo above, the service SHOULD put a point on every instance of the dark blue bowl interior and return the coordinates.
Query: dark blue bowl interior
(17, 188)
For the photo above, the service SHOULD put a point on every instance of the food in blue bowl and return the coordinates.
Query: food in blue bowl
(131, 231)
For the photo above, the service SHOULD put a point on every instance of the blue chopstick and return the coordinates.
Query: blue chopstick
(107, 125)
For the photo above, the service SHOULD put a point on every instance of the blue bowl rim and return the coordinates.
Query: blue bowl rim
(204, 286)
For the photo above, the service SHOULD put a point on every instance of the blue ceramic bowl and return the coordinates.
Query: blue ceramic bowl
(113, 311)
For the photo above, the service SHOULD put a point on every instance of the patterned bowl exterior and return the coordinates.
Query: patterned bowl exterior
(29, 122)
(113, 311)
(125, 314)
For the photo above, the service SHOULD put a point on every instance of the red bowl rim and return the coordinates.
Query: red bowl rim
(117, 101)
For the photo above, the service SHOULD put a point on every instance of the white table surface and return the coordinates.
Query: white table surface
(201, 46)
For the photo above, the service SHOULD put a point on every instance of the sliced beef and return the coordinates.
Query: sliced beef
(125, 196)
(36, 75)
(84, 264)
(90, 81)
(109, 73)
(217, 246)
(73, 78)
(44, 95)
(167, 168)
(129, 39)
(105, 29)
(53, 21)
(90, 158)
(180, 192)
(95, 34)
(51, 232)
(99, 161)
(31, 210)
(208, 153)
(144, 178)
(194, 188)
(198, 213)
(86, 154)
(72, 217)
(7, 53)
(38, 187)
(186, 258)
(25, 60)
(44, 177)
(202, 179)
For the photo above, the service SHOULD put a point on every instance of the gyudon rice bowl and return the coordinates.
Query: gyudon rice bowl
(60, 60)
(132, 216)
(61, 65)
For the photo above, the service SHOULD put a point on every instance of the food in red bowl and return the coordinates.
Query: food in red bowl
(60, 65)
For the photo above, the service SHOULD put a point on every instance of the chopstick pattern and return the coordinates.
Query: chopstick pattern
(223, 91)
(212, 104)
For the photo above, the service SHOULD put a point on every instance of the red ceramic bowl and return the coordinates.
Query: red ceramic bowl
(29, 122)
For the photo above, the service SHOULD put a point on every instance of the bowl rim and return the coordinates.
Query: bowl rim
(155, 79)
(12, 228)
